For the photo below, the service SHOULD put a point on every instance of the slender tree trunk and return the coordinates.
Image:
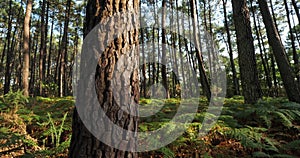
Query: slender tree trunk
(286, 72)
(203, 77)
(295, 55)
(26, 45)
(3, 52)
(50, 49)
(294, 3)
(206, 35)
(249, 75)
(153, 58)
(46, 41)
(180, 48)
(164, 51)
(33, 66)
(42, 48)
(257, 32)
(296, 33)
(274, 17)
(8, 53)
(63, 52)
(233, 69)
(58, 52)
(143, 88)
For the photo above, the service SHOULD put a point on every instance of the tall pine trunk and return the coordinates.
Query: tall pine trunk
(203, 77)
(295, 55)
(236, 86)
(26, 48)
(164, 50)
(8, 53)
(83, 143)
(63, 52)
(42, 48)
(286, 72)
(247, 62)
(261, 53)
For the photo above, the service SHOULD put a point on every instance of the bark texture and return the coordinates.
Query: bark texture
(111, 72)
(236, 85)
(286, 72)
(248, 69)
(26, 47)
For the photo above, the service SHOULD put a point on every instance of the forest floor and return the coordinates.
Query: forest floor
(41, 127)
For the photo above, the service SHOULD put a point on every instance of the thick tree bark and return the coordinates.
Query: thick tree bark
(286, 72)
(83, 143)
(26, 48)
(236, 86)
(249, 76)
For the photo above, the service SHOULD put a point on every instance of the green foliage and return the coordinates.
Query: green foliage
(51, 88)
(269, 114)
(56, 131)
(252, 138)
(168, 153)
(293, 145)
(15, 98)
(260, 154)
(267, 129)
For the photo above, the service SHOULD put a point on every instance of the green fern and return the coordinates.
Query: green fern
(54, 131)
(168, 153)
(267, 115)
(283, 156)
(252, 138)
(260, 154)
(294, 145)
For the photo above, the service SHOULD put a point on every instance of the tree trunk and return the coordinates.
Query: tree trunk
(294, 3)
(83, 143)
(295, 55)
(63, 53)
(42, 48)
(263, 60)
(26, 48)
(143, 88)
(8, 53)
(33, 66)
(203, 77)
(236, 86)
(50, 49)
(249, 76)
(286, 72)
(274, 17)
(163, 52)
(180, 49)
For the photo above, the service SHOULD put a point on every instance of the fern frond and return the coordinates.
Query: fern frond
(283, 119)
(260, 154)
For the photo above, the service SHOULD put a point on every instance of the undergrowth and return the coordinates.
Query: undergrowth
(41, 127)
